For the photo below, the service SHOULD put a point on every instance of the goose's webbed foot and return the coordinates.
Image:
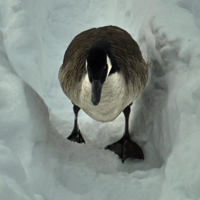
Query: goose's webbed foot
(76, 136)
(126, 148)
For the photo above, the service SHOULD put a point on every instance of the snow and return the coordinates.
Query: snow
(36, 160)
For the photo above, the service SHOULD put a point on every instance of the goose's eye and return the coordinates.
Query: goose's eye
(105, 66)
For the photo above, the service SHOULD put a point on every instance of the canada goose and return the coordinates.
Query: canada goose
(102, 73)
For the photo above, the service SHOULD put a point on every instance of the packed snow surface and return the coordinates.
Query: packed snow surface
(36, 160)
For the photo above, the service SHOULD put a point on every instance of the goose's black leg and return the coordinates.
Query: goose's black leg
(125, 147)
(76, 135)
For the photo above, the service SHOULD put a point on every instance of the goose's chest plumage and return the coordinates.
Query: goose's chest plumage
(115, 96)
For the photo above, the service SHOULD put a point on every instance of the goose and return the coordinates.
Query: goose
(103, 72)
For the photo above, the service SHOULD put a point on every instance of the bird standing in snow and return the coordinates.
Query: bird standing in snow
(102, 73)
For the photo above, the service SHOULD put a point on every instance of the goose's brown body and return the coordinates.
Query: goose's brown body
(120, 89)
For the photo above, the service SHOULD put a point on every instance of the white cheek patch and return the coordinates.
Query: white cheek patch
(86, 64)
(109, 65)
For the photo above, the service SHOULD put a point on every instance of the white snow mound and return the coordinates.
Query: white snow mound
(36, 160)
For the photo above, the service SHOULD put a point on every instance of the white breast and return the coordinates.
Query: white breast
(115, 96)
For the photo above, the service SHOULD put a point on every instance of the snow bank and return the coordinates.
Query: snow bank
(173, 43)
(36, 160)
(24, 123)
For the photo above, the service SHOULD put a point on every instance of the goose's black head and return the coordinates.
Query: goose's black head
(100, 64)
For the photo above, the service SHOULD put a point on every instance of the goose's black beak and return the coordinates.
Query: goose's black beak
(96, 92)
